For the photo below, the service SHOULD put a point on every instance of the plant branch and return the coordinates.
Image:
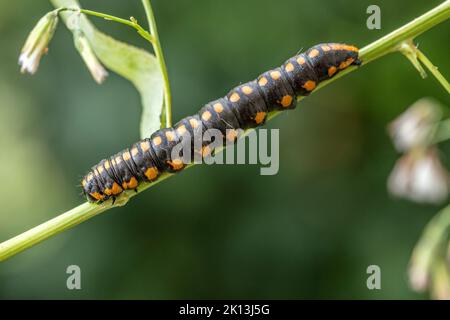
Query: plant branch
(434, 70)
(167, 114)
(375, 50)
(131, 23)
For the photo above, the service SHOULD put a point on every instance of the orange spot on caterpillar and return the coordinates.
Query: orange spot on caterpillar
(132, 184)
(176, 164)
(151, 173)
(331, 71)
(115, 189)
(231, 134)
(97, 195)
(134, 151)
(309, 85)
(346, 63)
(286, 101)
(206, 150)
(260, 116)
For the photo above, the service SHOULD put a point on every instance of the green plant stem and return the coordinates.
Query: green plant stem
(167, 114)
(131, 23)
(375, 50)
(434, 70)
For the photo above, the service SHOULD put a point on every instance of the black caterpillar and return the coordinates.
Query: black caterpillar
(245, 106)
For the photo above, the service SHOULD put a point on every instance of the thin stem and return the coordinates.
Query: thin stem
(131, 23)
(167, 114)
(434, 70)
(87, 210)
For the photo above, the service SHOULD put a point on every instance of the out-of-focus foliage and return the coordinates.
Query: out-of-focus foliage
(215, 231)
(134, 64)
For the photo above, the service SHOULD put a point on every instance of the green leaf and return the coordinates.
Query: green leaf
(134, 64)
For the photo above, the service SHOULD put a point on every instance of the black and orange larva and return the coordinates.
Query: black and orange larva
(245, 106)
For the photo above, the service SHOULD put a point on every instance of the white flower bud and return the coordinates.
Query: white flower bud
(415, 127)
(420, 176)
(37, 42)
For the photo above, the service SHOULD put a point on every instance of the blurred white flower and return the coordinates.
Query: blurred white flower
(90, 59)
(415, 127)
(37, 42)
(420, 176)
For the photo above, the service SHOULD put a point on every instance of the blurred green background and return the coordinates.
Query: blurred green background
(214, 231)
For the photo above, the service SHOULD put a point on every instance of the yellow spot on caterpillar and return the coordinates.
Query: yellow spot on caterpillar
(260, 116)
(286, 101)
(134, 151)
(126, 156)
(218, 107)
(346, 63)
(100, 169)
(145, 146)
(107, 164)
(90, 176)
(97, 195)
(170, 135)
(157, 140)
(118, 159)
(275, 75)
(83, 182)
(247, 90)
(206, 115)
(289, 67)
(176, 164)
(262, 82)
(331, 71)
(151, 173)
(314, 53)
(301, 60)
(181, 129)
(235, 97)
(325, 48)
(309, 85)
(194, 123)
